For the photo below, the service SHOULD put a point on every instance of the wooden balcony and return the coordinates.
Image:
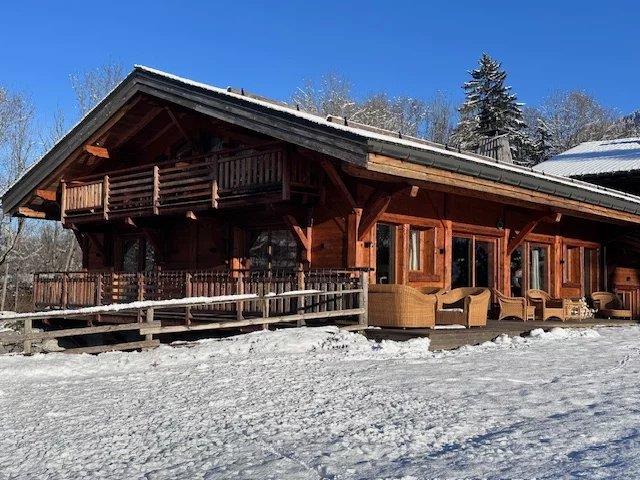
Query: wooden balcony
(219, 180)
(69, 290)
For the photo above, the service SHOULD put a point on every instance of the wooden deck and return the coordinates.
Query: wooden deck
(452, 339)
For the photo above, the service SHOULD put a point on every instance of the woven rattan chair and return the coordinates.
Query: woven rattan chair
(463, 306)
(401, 306)
(514, 307)
(610, 305)
(548, 307)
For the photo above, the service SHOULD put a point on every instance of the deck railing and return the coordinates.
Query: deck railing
(185, 184)
(63, 290)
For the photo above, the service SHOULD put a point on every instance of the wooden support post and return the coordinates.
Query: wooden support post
(63, 290)
(301, 299)
(239, 291)
(63, 200)
(363, 298)
(27, 331)
(265, 311)
(149, 320)
(354, 246)
(188, 291)
(105, 197)
(140, 281)
(156, 189)
(214, 183)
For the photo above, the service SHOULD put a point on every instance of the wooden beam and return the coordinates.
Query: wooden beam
(303, 236)
(414, 191)
(159, 134)
(516, 241)
(139, 125)
(191, 215)
(375, 208)
(177, 123)
(337, 180)
(129, 221)
(96, 151)
(462, 184)
(30, 213)
(47, 195)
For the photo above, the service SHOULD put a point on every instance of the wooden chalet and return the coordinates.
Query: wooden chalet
(178, 189)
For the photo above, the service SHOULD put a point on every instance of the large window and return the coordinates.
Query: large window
(474, 260)
(136, 255)
(274, 249)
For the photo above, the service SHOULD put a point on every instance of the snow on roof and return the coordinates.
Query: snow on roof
(392, 137)
(593, 158)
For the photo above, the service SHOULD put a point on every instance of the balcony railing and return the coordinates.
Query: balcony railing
(67, 290)
(214, 180)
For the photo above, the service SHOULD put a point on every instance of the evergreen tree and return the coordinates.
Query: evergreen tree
(542, 142)
(490, 109)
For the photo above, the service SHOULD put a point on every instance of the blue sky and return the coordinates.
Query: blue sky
(413, 48)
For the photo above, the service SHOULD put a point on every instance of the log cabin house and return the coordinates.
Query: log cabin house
(175, 188)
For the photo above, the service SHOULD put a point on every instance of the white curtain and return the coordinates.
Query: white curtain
(414, 250)
(535, 269)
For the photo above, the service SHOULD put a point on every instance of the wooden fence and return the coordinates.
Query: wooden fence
(265, 307)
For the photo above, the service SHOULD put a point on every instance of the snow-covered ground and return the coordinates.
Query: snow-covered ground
(320, 403)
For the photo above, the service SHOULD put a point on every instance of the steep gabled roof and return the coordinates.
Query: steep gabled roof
(595, 158)
(336, 137)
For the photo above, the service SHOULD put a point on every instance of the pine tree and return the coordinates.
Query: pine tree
(490, 109)
(542, 142)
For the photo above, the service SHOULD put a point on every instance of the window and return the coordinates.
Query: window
(461, 275)
(137, 255)
(415, 249)
(274, 249)
(473, 262)
(539, 267)
(517, 268)
(385, 253)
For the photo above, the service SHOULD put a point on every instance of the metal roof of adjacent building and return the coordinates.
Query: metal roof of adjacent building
(595, 158)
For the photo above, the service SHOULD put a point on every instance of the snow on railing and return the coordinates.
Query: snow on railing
(147, 325)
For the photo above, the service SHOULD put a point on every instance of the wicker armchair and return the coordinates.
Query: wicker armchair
(514, 307)
(463, 306)
(610, 305)
(401, 306)
(548, 307)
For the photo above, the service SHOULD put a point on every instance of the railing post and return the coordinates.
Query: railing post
(239, 291)
(363, 298)
(63, 290)
(36, 282)
(140, 292)
(156, 189)
(187, 293)
(301, 299)
(149, 320)
(265, 310)
(105, 197)
(214, 183)
(27, 330)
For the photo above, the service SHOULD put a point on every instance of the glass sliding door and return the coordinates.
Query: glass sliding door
(539, 267)
(484, 263)
(517, 272)
(385, 253)
(474, 262)
(461, 274)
